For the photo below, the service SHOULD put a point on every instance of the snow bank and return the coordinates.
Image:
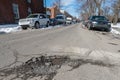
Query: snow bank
(117, 25)
(115, 31)
(9, 28)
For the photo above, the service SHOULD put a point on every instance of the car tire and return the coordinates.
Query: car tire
(47, 25)
(37, 25)
(24, 27)
(108, 30)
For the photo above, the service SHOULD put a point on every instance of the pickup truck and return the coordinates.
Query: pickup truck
(34, 21)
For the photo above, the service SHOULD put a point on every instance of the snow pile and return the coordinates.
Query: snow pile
(117, 25)
(114, 30)
(9, 28)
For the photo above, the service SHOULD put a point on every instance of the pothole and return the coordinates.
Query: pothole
(44, 67)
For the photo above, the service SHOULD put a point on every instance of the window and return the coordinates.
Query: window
(33, 16)
(42, 16)
(16, 11)
(29, 11)
(29, 1)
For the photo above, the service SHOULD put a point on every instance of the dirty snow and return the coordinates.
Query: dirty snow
(114, 31)
(117, 25)
(9, 28)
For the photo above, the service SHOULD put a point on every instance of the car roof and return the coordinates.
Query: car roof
(37, 14)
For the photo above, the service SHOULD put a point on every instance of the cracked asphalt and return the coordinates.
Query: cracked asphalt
(98, 51)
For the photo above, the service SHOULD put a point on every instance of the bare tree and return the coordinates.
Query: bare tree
(87, 8)
(116, 10)
(91, 7)
(99, 5)
(106, 11)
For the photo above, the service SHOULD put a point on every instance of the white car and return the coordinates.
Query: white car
(61, 19)
(68, 20)
(34, 21)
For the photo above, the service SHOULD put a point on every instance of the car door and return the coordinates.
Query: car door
(43, 19)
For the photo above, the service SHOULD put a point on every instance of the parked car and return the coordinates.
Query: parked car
(53, 22)
(98, 22)
(61, 19)
(34, 21)
(68, 20)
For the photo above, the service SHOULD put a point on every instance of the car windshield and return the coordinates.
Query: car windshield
(99, 18)
(33, 16)
(59, 17)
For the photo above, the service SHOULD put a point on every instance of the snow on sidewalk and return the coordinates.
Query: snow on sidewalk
(114, 31)
(8, 28)
(117, 25)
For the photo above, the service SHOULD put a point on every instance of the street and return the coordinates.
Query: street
(74, 41)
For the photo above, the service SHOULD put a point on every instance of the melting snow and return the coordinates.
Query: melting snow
(9, 28)
(114, 30)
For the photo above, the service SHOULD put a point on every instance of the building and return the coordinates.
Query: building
(53, 11)
(12, 10)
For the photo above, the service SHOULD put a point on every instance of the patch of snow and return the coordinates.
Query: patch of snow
(117, 25)
(9, 28)
(115, 31)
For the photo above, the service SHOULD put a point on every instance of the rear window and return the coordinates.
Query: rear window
(98, 18)
(59, 17)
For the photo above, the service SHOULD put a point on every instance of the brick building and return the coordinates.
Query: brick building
(12, 10)
(55, 11)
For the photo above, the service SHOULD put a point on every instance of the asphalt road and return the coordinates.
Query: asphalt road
(73, 39)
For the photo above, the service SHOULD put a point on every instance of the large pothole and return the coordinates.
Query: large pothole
(44, 67)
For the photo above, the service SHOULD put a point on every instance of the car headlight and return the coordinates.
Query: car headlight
(94, 22)
(30, 20)
(109, 23)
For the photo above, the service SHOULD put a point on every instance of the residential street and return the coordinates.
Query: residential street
(100, 51)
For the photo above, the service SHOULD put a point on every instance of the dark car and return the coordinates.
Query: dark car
(99, 22)
(53, 22)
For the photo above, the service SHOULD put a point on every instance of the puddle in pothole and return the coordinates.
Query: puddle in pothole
(44, 67)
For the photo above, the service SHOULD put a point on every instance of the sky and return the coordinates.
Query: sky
(71, 6)
(67, 5)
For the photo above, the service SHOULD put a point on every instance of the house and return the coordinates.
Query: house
(12, 10)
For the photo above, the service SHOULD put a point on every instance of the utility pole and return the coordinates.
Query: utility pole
(59, 3)
(45, 7)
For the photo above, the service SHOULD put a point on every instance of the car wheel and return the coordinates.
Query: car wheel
(24, 27)
(37, 25)
(47, 25)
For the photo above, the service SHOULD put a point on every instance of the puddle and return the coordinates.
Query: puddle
(44, 67)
